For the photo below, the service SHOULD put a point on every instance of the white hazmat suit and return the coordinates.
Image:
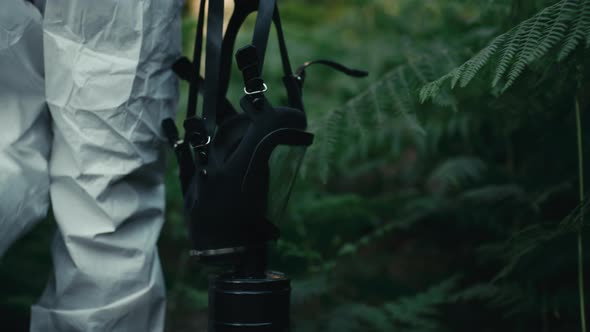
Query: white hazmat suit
(84, 86)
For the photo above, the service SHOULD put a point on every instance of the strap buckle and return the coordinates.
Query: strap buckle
(199, 143)
(263, 90)
(177, 144)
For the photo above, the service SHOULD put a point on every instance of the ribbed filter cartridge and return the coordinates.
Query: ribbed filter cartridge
(249, 304)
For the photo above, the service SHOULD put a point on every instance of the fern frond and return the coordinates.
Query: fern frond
(413, 211)
(579, 32)
(358, 317)
(415, 313)
(432, 89)
(563, 26)
(495, 194)
(574, 221)
(322, 152)
(557, 31)
(381, 114)
(455, 172)
(475, 64)
(530, 43)
(404, 102)
(509, 296)
(511, 49)
(356, 121)
(521, 244)
(420, 311)
(304, 290)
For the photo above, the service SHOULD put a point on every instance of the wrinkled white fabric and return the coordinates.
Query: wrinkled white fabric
(25, 132)
(108, 87)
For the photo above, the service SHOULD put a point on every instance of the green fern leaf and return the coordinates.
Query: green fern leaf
(503, 295)
(495, 194)
(580, 23)
(304, 290)
(558, 29)
(420, 311)
(432, 89)
(573, 221)
(521, 244)
(324, 151)
(531, 40)
(474, 65)
(511, 50)
(358, 317)
(456, 172)
(401, 92)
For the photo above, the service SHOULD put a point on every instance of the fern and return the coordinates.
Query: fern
(509, 296)
(325, 148)
(473, 66)
(522, 243)
(576, 219)
(564, 26)
(412, 313)
(495, 194)
(556, 32)
(412, 210)
(401, 93)
(378, 110)
(536, 28)
(384, 115)
(419, 312)
(580, 31)
(455, 172)
(358, 317)
(305, 290)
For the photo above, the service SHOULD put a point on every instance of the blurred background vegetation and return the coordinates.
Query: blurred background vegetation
(443, 193)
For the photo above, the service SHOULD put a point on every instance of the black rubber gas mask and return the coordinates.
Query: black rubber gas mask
(237, 167)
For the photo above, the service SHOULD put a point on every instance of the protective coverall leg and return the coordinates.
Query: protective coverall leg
(25, 131)
(108, 86)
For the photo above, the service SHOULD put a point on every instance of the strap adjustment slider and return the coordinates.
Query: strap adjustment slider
(263, 90)
(197, 140)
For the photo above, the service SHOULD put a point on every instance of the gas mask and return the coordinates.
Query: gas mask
(224, 157)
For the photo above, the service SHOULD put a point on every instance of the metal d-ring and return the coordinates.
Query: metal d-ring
(177, 144)
(264, 89)
(196, 146)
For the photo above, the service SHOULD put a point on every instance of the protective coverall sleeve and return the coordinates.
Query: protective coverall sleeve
(108, 87)
(25, 133)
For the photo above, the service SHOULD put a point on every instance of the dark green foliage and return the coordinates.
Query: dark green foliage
(560, 28)
(484, 176)
(442, 195)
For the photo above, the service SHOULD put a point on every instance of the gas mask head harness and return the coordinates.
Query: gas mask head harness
(224, 156)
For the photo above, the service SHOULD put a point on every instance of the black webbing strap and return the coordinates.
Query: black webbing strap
(334, 65)
(243, 8)
(196, 64)
(195, 133)
(293, 84)
(219, 60)
(212, 64)
(219, 54)
(282, 44)
(218, 109)
(266, 10)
